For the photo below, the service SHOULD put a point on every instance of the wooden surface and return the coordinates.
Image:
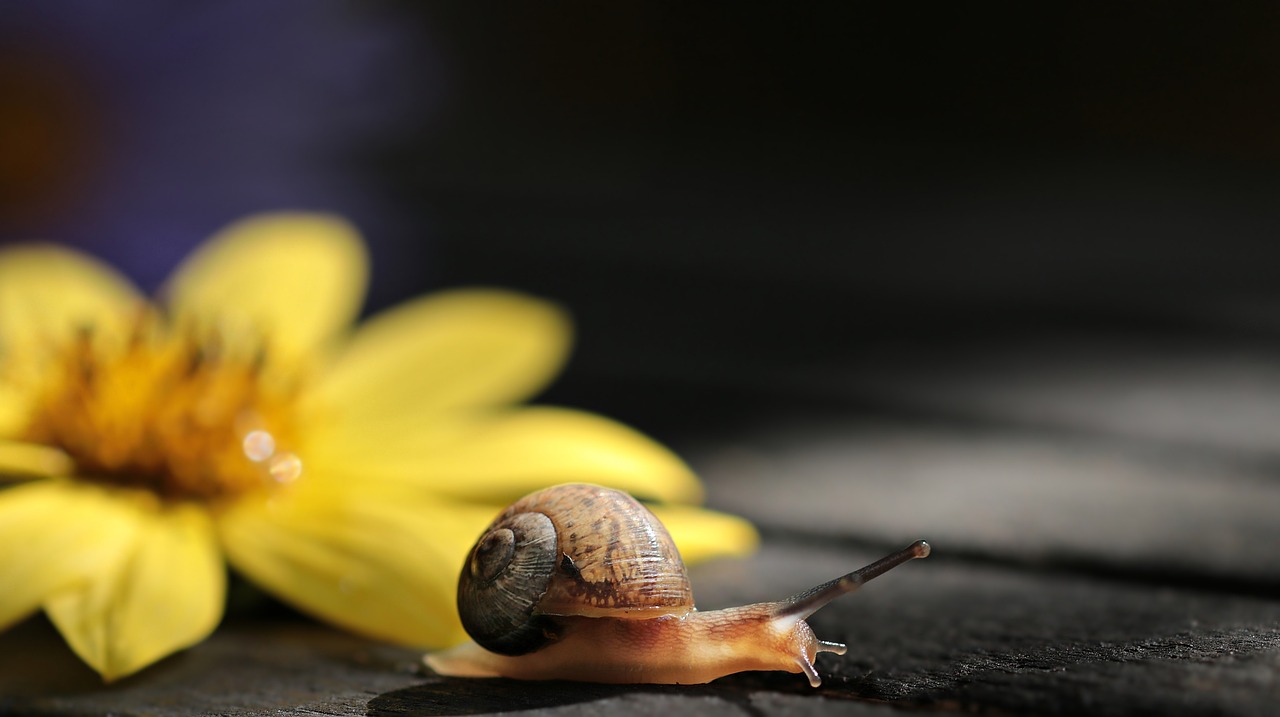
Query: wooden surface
(1104, 515)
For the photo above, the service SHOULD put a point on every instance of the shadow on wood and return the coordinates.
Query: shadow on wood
(454, 696)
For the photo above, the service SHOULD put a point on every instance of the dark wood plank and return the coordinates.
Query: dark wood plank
(248, 667)
(949, 634)
(1028, 498)
(944, 634)
(1217, 394)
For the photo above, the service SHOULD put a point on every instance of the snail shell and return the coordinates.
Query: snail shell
(568, 550)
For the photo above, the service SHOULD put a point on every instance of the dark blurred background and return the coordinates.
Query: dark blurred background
(729, 194)
(725, 195)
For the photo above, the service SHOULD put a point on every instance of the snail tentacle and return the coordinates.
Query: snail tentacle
(814, 599)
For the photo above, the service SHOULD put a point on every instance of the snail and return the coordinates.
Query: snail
(580, 582)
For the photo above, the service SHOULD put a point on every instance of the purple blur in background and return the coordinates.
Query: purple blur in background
(134, 130)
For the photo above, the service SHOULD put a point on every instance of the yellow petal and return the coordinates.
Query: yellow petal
(453, 349)
(56, 535)
(15, 407)
(387, 569)
(705, 534)
(500, 457)
(167, 594)
(297, 279)
(48, 292)
(32, 460)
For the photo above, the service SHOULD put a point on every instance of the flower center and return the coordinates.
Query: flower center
(172, 414)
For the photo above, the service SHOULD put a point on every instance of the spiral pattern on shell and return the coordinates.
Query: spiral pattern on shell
(568, 550)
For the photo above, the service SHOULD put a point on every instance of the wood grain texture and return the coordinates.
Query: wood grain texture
(1008, 495)
(944, 634)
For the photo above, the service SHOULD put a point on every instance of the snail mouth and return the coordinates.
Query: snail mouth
(169, 413)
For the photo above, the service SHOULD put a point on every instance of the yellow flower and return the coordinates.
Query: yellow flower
(242, 420)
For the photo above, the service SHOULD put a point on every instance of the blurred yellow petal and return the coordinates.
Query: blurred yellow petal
(384, 568)
(167, 595)
(379, 449)
(295, 280)
(520, 451)
(57, 534)
(49, 292)
(463, 348)
(32, 460)
(15, 408)
(500, 457)
(706, 534)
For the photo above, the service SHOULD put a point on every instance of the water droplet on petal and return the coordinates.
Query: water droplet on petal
(259, 446)
(285, 468)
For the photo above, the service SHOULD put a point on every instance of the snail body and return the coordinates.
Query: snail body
(581, 582)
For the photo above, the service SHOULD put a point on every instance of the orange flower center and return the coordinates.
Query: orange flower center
(172, 414)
